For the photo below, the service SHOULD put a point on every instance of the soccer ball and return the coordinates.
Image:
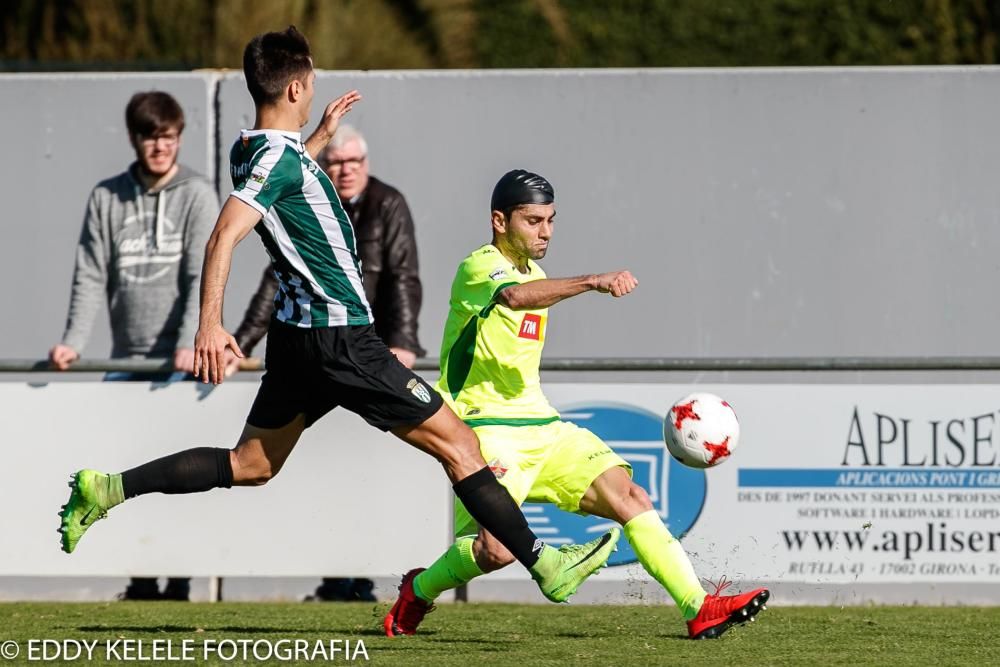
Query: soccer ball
(701, 430)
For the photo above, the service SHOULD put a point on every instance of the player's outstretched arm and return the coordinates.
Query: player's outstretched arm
(236, 220)
(334, 111)
(550, 291)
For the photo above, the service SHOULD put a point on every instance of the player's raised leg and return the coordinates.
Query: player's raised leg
(257, 457)
(615, 496)
(476, 551)
(558, 572)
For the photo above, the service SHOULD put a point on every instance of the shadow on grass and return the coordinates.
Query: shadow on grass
(379, 632)
(411, 645)
(593, 636)
(234, 629)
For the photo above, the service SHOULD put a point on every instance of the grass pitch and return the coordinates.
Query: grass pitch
(475, 635)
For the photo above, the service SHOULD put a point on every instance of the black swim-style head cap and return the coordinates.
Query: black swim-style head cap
(520, 187)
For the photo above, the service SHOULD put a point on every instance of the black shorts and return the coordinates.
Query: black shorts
(312, 371)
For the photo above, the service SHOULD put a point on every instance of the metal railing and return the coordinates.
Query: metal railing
(108, 366)
(801, 364)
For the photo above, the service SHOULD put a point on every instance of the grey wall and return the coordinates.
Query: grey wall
(765, 212)
(63, 134)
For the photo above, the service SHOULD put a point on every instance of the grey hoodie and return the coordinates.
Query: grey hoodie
(142, 250)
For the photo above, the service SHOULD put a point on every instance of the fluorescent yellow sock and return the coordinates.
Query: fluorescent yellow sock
(455, 567)
(665, 560)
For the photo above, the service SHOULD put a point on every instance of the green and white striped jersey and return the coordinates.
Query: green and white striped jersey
(304, 228)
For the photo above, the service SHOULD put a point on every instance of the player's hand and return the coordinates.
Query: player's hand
(210, 346)
(336, 110)
(616, 283)
(184, 360)
(62, 356)
(406, 357)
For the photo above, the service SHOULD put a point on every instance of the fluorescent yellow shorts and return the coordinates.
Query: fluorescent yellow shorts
(552, 463)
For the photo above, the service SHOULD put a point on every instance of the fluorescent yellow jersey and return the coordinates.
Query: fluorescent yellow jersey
(490, 354)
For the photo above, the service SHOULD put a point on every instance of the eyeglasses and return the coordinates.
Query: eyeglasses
(354, 163)
(167, 139)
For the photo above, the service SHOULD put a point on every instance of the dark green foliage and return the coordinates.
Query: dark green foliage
(182, 34)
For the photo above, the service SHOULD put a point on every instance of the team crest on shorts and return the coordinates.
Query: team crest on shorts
(497, 468)
(418, 389)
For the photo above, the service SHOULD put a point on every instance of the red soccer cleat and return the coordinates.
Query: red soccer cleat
(409, 610)
(720, 612)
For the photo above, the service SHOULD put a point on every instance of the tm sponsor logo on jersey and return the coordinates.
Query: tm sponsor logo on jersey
(531, 327)
(498, 274)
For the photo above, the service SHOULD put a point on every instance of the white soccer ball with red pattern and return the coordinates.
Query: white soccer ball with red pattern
(701, 430)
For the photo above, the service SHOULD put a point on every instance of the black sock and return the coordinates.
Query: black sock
(190, 471)
(491, 505)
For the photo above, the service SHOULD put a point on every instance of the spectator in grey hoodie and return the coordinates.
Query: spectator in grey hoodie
(141, 248)
(142, 244)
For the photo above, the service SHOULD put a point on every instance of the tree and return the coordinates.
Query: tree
(399, 34)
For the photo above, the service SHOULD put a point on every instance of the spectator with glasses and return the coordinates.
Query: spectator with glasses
(141, 249)
(387, 247)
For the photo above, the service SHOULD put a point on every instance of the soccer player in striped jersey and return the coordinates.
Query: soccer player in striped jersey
(490, 358)
(322, 350)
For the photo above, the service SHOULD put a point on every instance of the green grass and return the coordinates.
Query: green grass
(477, 635)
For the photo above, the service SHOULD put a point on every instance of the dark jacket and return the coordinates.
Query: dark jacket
(387, 247)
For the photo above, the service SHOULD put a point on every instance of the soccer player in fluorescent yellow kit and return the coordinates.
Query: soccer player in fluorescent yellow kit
(490, 359)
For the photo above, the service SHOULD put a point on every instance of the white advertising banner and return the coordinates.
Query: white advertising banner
(831, 484)
(836, 484)
(349, 501)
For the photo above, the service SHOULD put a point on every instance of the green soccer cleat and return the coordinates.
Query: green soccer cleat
(559, 572)
(94, 493)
